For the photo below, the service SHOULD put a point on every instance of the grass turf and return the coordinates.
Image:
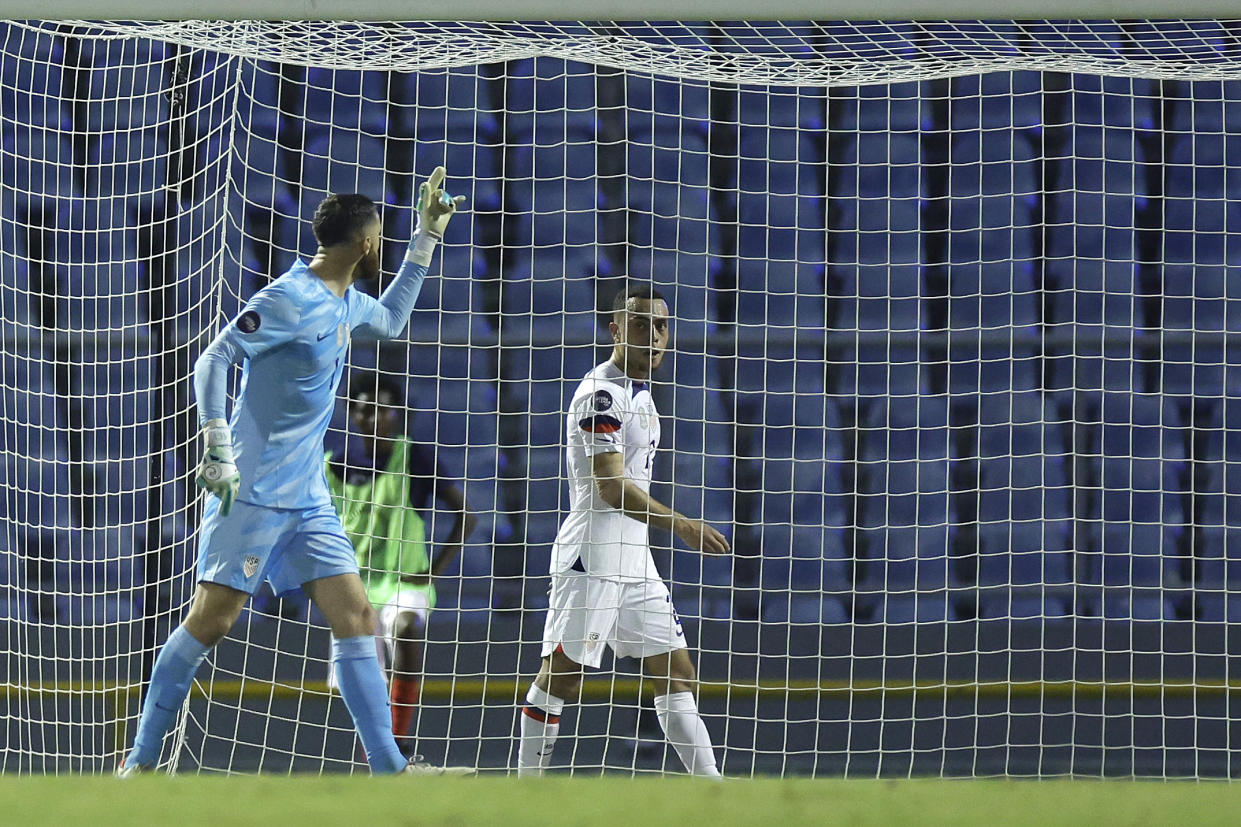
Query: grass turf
(599, 802)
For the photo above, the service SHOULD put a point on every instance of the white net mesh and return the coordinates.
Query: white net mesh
(950, 366)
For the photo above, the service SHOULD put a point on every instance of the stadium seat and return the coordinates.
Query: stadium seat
(258, 171)
(682, 97)
(101, 296)
(40, 164)
(544, 97)
(1136, 604)
(344, 161)
(1210, 106)
(1025, 553)
(883, 108)
(997, 604)
(32, 405)
(39, 496)
(116, 395)
(780, 294)
(31, 79)
(1135, 554)
(814, 610)
(997, 101)
(991, 370)
(905, 557)
(433, 103)
(129, 81)
(129, 167)
(346, 99)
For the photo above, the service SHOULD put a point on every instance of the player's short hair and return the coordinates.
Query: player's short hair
(636, 290)
(373, 382)
(340, 218)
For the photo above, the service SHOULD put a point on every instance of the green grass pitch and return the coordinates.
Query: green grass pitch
(599, 802)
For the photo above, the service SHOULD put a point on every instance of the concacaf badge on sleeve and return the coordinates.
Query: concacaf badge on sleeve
(249, 322)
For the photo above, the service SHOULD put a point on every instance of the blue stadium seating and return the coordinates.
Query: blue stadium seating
(115, 392)
(129, 168)
(1133, 554)
(1119, 102)
(346, 99)
(32, 83)
(813, 609)
(1025, 554)
(1211, 107)
(1005, 605)
(989, 370)
(38, 494)
(992, 230)
(1136, 605)
(344, 161)
(258, 109)
(258, 171)
(545, 98)
(129, 82)
(881, 108)
(435, 103)
(1093, 195)
(40, 165)
(997, 101)
(19, 308)
(1200, 223)
(32, 408)
(652, 102)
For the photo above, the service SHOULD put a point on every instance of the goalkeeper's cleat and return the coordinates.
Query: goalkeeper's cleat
(417, 766)
(124, 772)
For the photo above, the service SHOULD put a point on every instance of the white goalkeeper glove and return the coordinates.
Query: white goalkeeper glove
(217, 472)
(435, 208)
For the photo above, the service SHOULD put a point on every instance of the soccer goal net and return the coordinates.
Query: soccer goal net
(951, 367)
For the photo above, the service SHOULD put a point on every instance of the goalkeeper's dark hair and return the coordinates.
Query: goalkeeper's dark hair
(635, 290)
(340, 218)
(374, 383)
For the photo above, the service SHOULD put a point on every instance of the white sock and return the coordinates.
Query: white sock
(678, 715)
(540, 722)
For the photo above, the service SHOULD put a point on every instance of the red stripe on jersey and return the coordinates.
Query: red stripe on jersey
(540, 716)
(600, 424)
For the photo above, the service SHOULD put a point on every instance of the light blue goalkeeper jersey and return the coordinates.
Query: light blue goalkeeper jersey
(292, 338)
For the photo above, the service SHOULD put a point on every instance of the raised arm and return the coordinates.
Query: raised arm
(386, 317)
(619, 491)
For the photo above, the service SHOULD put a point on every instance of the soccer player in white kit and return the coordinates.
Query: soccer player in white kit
(605, 588)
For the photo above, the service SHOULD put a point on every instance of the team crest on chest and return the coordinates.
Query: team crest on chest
(342, 334)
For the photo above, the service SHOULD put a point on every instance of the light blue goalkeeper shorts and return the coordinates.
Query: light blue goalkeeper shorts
(284, 546)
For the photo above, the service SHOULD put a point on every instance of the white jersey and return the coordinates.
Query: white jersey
(609, 413)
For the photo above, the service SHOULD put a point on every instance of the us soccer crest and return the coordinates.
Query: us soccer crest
(251, 565)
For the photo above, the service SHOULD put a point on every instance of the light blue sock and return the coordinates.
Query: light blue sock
(366, 696)
(170, 683)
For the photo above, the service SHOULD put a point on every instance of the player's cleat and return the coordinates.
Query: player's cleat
(417, 766)
(123, 772)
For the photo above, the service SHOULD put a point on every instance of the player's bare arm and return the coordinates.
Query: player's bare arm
(619, 492)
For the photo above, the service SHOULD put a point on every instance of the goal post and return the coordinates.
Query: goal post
(951, 365)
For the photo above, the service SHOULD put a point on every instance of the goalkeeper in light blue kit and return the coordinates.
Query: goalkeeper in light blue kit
(271, 516)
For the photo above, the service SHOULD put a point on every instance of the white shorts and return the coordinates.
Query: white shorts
(414, 601)
(636, 620)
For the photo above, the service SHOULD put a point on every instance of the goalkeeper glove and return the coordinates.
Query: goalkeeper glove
(435, 208)
(217, 472)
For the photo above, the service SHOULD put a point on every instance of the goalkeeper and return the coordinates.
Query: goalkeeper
(270, 516)
(382, 497)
